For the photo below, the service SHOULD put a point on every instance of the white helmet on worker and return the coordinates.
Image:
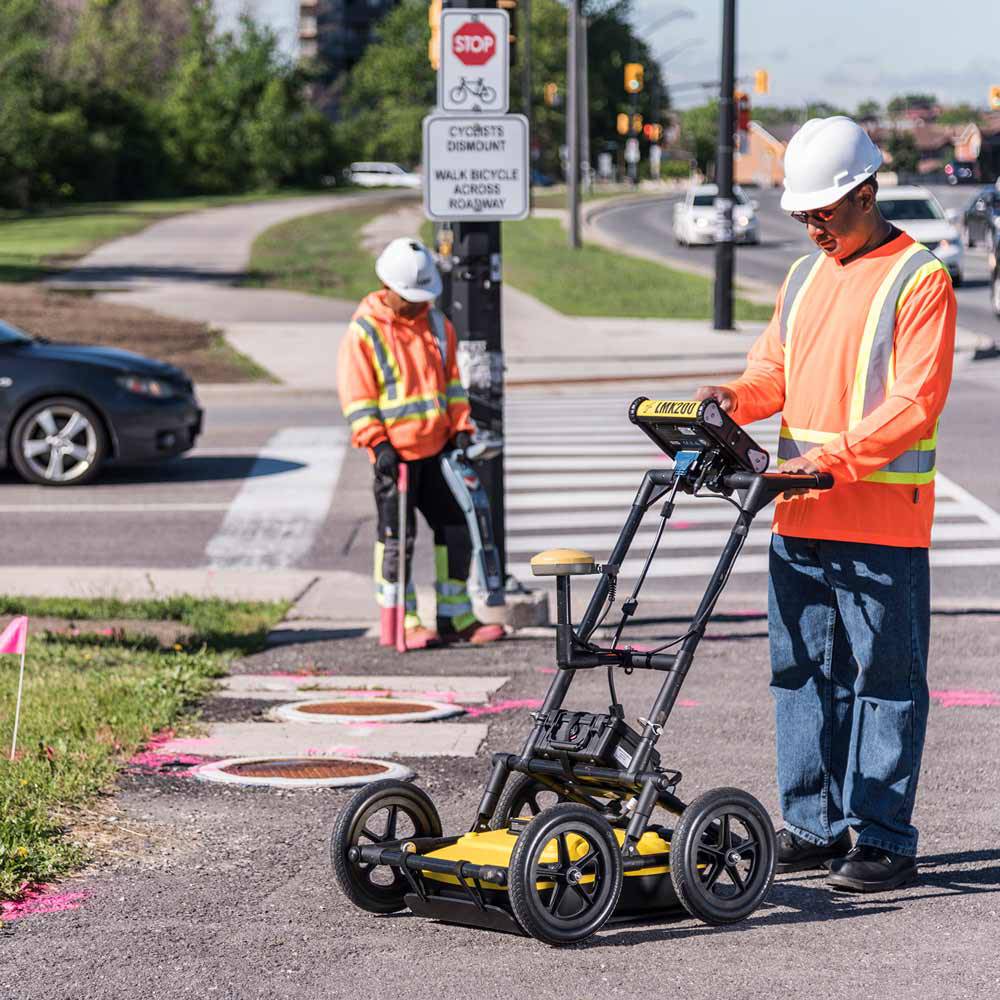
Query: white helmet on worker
(825, 159)
(408, 268)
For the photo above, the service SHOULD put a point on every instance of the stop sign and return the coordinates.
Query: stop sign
(474, 43)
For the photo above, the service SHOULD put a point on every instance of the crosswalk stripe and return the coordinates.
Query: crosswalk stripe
(574, 464)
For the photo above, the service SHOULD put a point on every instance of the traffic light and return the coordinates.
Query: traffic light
(622, 124)
(633, 78)
(551, 92)
(636, 124)
(995, 98)
(761, 81)
(434, 45)
(653, 132)
(511, 7)
(742, 111)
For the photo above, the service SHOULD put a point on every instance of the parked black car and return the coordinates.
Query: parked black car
(980, 217)
(67, 409)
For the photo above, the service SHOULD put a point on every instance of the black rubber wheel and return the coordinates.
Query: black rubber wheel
(722, 856)
(523, 796)
(58, 441)
(565, 874)
(379, 813)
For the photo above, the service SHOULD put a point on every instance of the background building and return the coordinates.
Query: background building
(336, 33)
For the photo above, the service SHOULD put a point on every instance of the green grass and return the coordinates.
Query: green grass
(557, 199)
(593, 281)
(32, 245)
(89, 702)
(320, 254)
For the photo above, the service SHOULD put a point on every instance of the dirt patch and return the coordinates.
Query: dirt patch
(166, 632)
(381, 707)
(77, 318)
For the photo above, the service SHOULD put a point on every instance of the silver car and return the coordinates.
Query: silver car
(694, 217)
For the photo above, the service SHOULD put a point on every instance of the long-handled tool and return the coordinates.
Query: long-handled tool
(402, 489)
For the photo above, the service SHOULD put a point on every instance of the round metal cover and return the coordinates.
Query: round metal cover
(301, 772)
(334, 710)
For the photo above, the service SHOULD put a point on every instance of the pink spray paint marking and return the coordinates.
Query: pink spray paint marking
(502, 706)
(547, 670)
(966, 699)
(36, 899)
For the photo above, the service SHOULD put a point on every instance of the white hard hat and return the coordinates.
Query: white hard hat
(825, 159)
(408, 268)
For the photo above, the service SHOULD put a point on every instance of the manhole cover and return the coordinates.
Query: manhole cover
(333, 710)
(301, 772)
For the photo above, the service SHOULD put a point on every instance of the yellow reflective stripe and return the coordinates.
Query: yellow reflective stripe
(794, 311)
(360, 404)
(931, 267)
(902, 478)
(798, 434)
(868, 338)
(387, 368)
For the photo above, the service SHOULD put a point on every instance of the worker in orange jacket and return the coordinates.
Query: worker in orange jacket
(397, 376)
(858, 359)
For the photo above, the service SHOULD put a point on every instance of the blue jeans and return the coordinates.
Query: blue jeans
(849, 626)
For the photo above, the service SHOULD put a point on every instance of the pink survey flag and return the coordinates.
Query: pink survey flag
(15, 636)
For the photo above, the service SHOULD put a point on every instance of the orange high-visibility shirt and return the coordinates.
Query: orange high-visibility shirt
(859, 394)
(397, 382)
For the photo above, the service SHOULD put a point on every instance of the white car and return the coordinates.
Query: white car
(694, 217)
(382, 175)
(919, 214)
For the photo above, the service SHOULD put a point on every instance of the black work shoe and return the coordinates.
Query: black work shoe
(798, 855)
(871, 869)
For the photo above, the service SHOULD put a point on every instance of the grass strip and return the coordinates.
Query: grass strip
(90, 701)
(319, 254)
(594, 281)
(33, 245)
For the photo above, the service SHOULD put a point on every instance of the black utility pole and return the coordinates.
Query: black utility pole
(723, 309)
(474, 310)
(573, 122)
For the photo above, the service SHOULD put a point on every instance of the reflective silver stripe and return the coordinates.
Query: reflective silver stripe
(457, 393)
(364, 413)
(440, 331)
(447, 610)
(450, 589)
(910, 461)
(436, 405)
(877, 376)
(388, 377)
(797, 277)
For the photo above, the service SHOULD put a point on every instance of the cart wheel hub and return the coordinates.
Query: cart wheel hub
(574, 875)
(734, 858)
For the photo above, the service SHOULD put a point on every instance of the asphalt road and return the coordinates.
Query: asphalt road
(649, 226)
(215, 891)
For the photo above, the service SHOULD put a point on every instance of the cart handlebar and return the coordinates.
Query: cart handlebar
(779, 482)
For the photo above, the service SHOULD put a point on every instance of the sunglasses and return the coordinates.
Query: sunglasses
(822, 215)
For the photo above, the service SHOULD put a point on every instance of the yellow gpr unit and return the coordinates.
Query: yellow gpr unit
(584, 822)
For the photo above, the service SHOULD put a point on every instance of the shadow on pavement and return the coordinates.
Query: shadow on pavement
(198, 469)
(127, 274)
(291, 637)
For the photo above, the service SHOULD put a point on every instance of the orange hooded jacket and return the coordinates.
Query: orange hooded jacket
(394, 384)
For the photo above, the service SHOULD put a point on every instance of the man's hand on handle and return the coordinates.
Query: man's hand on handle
(386, 459)
(726, 398)
(798, 465)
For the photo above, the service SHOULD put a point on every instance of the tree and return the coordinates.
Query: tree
(700, 134)
(959, 115)
(868, 111)
(902, 147)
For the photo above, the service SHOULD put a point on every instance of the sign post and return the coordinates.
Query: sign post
(476, 173)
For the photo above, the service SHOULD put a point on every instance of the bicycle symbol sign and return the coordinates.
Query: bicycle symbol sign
(473, 74)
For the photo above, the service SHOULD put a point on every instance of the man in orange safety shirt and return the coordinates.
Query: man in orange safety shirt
(858, 359)
(397, 377)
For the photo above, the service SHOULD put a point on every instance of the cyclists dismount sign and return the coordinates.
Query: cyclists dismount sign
(474, 66)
